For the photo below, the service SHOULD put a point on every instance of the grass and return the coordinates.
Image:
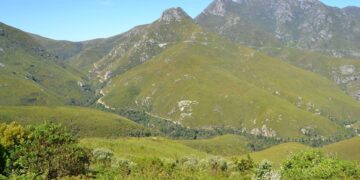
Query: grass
(143, 147)
(232, 86)
(227, 145)
(348, 149)
(279, 153)
(87, 122)
(30, 78)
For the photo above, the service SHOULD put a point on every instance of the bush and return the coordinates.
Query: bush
(315, 165)
(51, 151)
(263, 170)
(217, 164)
(124, 166)
(11, 134)
(2, 159)
(243, 165)
(103, 156)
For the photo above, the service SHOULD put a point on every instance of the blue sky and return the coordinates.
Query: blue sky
(88, 19)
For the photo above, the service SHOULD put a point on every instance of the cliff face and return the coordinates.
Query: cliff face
(305, 24)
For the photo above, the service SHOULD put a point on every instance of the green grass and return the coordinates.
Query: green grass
(227, 145)
(143, 147)
(28, 78)
(88, 122)
(348, 149)
(279, 153)
(233, 86)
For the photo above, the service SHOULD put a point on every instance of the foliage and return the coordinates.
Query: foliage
(103, 156)
(11, 134)
(51, 151)
(2, 159)
(263, 170)
(315, 165)
(243, 165)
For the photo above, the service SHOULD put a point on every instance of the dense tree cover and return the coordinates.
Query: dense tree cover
(47, 150)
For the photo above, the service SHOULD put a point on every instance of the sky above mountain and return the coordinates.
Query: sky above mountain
(88, 19)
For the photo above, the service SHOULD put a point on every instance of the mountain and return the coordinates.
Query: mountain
(198, 79)
(307, 34)
(304, 24)
(29, 75)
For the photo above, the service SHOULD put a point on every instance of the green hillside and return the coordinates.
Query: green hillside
(227, 145)
(279, 153)
(87, 122)
(344, 72)
(215, 83)
(348, 149)
(143, 147)
(31, 76)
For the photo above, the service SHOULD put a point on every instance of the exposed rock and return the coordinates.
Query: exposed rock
(174, 14)
(308, 131)
(304, 24)
(2, 50)
(264, 131)
(186, 105)
(2, 65)
(217, 8)
(347, 69)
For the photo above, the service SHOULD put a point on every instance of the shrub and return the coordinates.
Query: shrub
(49, 150)
(263, 170)
(217, 164)
(103, 156)
(2, 159)
(124, 166)
(243, 165)
(11, 134)
(315, 165)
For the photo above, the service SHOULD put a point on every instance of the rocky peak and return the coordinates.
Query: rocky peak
(174, 14)
(218, 7)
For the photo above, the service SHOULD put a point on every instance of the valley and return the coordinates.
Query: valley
(245, 84)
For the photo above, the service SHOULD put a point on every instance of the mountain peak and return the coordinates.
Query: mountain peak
(217, 7)
(174, 14)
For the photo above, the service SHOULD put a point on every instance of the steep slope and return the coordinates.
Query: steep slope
(87, 122)
(30, 75)
(305, 24)
(342, 71)
(206, 81)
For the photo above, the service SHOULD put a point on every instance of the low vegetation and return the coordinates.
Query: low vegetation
(25, 153)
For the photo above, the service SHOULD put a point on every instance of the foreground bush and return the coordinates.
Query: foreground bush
(315, 165)
(49, 151)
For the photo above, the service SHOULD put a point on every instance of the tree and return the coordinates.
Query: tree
(50, 151)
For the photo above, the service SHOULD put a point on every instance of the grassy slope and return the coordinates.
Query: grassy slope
(227, 145)
(279, 153)
(89, 122)
(194, 71)
(321, 64)
(348, 149)
(37, 77)
(143, 147)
